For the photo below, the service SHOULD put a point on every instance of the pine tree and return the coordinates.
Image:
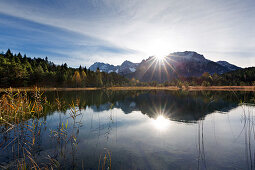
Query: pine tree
(80, 68)
(8, 53)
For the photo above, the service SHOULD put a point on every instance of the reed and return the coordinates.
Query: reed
(105, 162)
(21, 127)
(19, 106)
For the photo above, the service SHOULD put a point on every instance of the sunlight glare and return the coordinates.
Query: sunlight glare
(161, 123)
(160, 58)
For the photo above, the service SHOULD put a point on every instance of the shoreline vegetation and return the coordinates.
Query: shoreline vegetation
(21, 71)
(188, 88)
(22, 119)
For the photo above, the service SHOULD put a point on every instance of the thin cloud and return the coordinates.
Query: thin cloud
(139, 28)
(40, 40)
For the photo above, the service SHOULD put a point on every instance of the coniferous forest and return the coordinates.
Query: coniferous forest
(21, 71)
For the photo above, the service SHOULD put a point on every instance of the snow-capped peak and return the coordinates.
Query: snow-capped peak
(125, 68)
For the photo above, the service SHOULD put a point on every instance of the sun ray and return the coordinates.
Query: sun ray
(152, 62)
(171, 66)
(166, 69)
(155, 65)
(159, 62)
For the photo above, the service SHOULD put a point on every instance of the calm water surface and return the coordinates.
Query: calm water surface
(144, 130)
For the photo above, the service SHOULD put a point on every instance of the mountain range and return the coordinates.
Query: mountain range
(175, 65)
(125, 68)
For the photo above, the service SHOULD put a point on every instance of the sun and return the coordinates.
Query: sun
(161, 123)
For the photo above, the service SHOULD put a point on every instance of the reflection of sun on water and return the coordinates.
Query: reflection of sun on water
(161, 123)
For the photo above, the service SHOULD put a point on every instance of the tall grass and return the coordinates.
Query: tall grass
(21, 127)
(19, 106)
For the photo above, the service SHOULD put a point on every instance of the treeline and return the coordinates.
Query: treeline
(21, 71)
(241, 77)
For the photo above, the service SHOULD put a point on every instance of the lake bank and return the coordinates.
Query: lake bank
(222, 88)
(190, 88)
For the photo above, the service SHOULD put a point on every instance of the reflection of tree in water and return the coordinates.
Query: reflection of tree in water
(177, 105)
(183, 106)
(66, 135)
(91, 98)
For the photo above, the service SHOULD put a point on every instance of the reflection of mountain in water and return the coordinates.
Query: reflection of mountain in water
(177, 105)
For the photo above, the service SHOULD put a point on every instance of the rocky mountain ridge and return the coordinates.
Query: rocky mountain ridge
(175, 65)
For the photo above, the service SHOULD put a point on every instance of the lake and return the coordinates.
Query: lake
(138, 130)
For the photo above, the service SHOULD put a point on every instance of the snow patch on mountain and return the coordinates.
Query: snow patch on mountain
(132, 69)
(125, 68)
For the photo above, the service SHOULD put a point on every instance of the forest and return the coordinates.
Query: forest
(241, 77)
(21, 71)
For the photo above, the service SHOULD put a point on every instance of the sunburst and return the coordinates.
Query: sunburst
(160, 58)
(160, 62)
(161, 123)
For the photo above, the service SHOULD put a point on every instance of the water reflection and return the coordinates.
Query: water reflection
(161, 123)
(178, 105)
(143, 130)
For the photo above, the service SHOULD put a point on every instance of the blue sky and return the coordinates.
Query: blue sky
(85, 31)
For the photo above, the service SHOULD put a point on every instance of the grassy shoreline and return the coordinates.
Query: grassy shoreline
(189, 88)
